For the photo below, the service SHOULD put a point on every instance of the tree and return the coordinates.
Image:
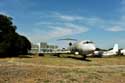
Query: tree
(11, 43)
(23, 45)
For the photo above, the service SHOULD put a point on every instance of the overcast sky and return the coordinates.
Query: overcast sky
(102, 21)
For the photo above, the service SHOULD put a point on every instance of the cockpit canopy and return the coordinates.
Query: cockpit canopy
(88, 42)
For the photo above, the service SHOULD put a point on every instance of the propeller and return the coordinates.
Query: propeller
(67, 39)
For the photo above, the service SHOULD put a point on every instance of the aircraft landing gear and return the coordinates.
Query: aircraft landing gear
(84, 57)
(58, 55)
(41, 54)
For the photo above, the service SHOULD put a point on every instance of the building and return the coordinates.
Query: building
(44, 47)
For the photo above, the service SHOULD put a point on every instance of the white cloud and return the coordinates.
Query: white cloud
(94, 21)
(56, 31)
(60, 19)
(42, 23)
(67, 17)
(58, 25)
(115, 29)
(70, 18)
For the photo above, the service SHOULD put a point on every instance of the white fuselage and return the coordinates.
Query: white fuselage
(83, 47)
(123, 51)
(105, 53)
(114, 51)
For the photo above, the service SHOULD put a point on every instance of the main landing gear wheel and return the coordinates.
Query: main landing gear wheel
(84, 57)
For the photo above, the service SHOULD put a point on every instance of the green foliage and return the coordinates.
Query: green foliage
(11, 43)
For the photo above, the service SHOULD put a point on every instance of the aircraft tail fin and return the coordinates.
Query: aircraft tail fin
(115, 48)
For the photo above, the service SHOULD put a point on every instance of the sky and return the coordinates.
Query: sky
(102, 21)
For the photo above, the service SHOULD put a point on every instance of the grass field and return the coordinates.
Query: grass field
(50, 69)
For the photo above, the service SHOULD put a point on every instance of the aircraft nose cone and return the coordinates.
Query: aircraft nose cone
(92, 47)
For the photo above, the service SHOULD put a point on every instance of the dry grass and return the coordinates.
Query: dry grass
(62, 70)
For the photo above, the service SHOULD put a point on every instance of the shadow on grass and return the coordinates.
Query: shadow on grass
(17, 56)
(79, 58)
(24, 56)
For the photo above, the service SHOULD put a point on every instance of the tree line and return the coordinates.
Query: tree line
(11, 43)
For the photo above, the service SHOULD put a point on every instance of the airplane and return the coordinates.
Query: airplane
(122, 51)
(83, 48)
(114, 51)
